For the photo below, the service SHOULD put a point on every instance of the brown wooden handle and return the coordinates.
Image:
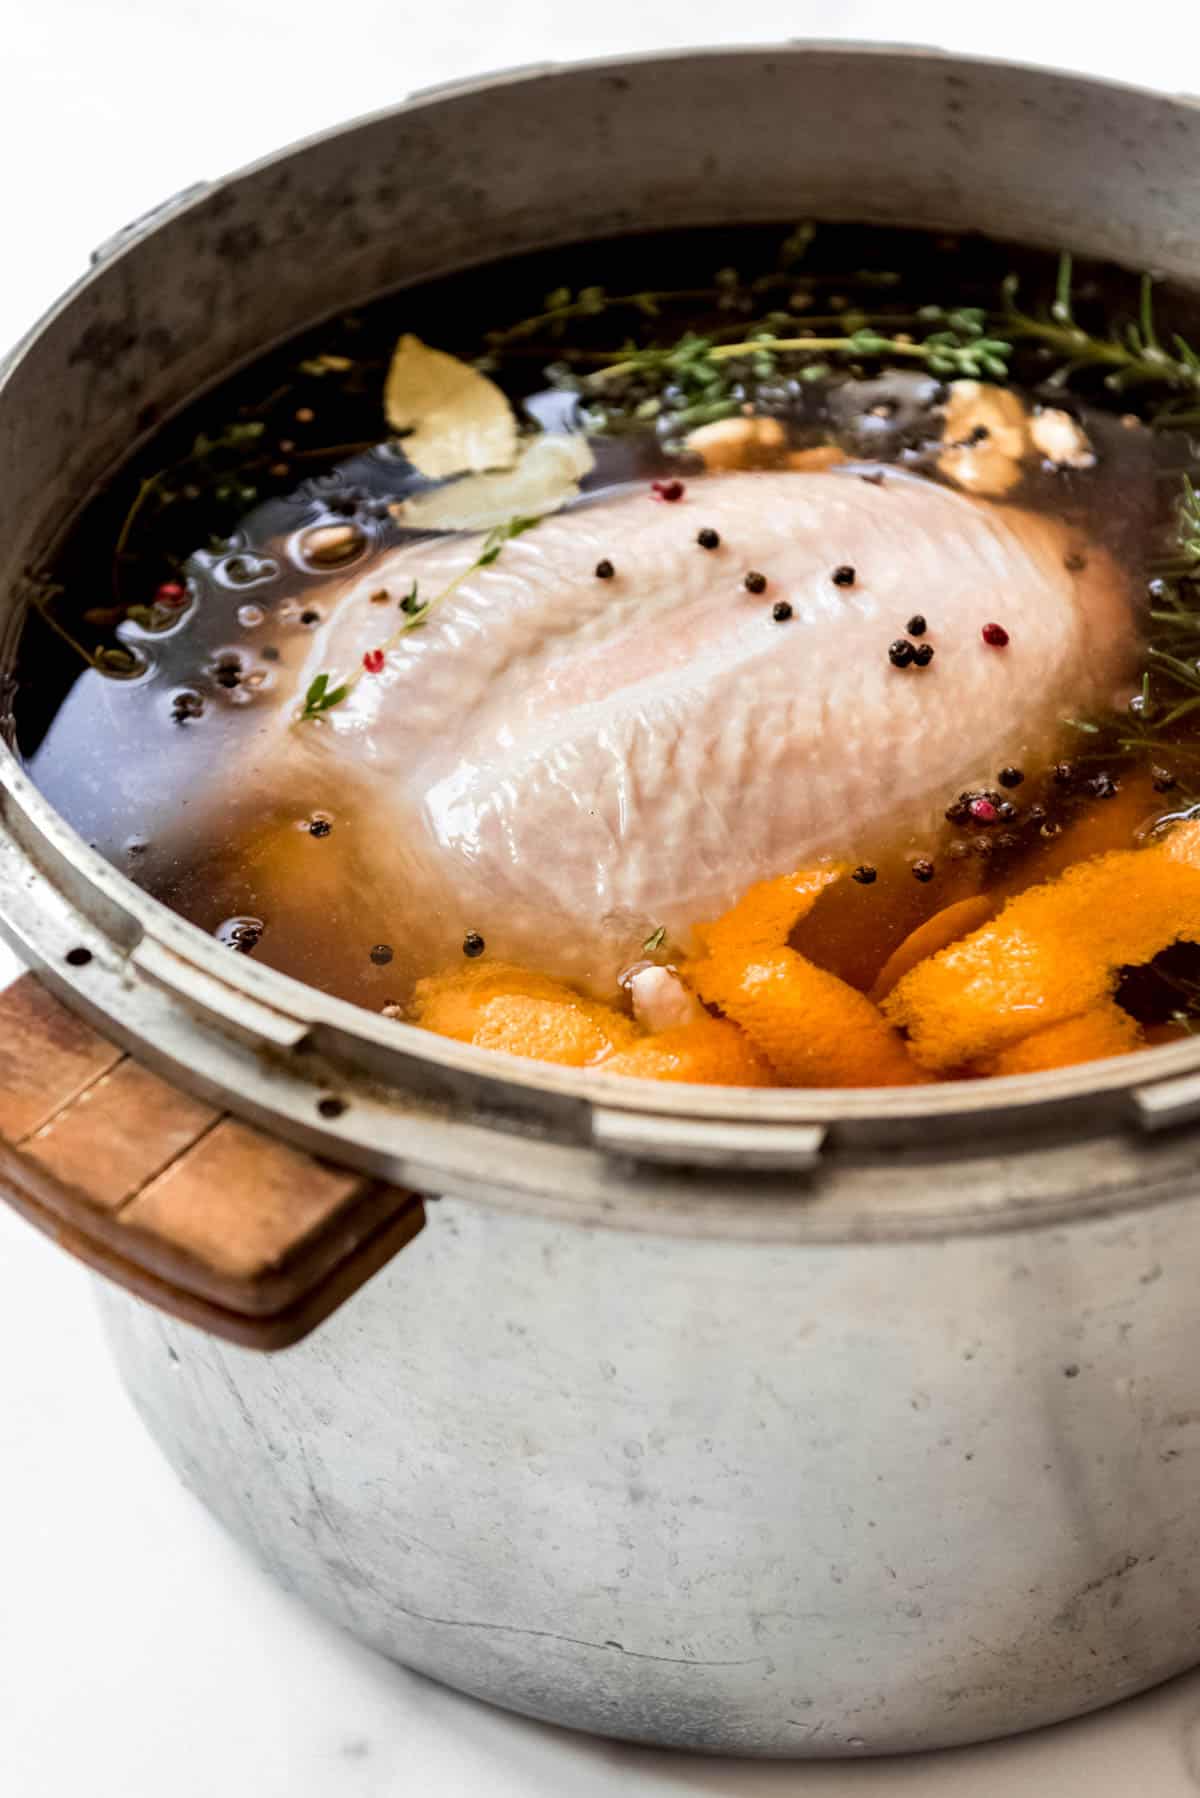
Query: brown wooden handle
(203, 1215)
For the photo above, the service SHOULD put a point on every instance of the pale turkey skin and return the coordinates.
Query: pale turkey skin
(565, 763)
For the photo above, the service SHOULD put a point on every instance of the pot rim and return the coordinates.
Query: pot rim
(1157, 1086)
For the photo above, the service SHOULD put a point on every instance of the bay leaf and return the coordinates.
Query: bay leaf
(456, 419)
(545, 475)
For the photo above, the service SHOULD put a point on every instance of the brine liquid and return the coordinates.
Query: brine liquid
(123, 758)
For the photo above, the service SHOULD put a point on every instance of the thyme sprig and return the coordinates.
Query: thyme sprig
(321, 697)
(1132, 353)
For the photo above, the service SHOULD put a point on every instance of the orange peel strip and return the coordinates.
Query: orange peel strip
(498, 1006)
(1103, 1031)
(1053, 953)
(938, 932)
(766, 914)
(708, 1052)
(811, 1027)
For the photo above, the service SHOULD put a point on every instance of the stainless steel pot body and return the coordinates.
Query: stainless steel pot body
(733, 1495)
(778, 1424)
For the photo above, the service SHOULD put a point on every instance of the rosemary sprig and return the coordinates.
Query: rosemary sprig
(321, 697)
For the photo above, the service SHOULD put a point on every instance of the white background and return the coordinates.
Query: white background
(140, 1655)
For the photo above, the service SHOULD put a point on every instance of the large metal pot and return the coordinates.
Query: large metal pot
(773, 1423)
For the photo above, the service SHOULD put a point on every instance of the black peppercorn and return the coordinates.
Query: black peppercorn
(1102, 786)
(605, 570)
(923, 870)
(473, 945)
(755, 582)
(917, 626)
(1010, 777)
(781, 611)
(708, 539)
(1163, 780)
(865, 876)
(310, 617)
(900, 653)
(923, 654)
(844, 576)
(381, 954)
(1064, 774)
(319, 827)
(1006, 810)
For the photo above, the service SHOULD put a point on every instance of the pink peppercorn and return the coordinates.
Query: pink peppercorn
(982, 810)
(668, 490)
(373, 661)
(172, 594)
(994, 635)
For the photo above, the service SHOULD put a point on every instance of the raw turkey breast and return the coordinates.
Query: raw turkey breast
(565, 762)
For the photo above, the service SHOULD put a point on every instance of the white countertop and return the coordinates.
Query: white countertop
(141, 1655)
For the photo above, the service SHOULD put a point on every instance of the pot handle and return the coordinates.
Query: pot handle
(195, 1211)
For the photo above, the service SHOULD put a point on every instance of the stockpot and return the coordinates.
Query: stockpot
(774, 1423)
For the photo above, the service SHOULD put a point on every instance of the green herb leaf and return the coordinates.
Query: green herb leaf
(655, 941)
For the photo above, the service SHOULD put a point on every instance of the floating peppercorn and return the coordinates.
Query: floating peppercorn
(917, 625)
(755, 582)
(171, 594)
(668, 490)
(1006, 810)
(186, 705)
(310, 617)
(979, 434)
(228, 677)
(923, 655)
(1102, 786)
(708, 539)
(781, 611)
(982, 810)
(1163, 780)
(995, 636)
(319, 827)
(1063, 773)
(844, 575)
(1010, 777)
(381, 954)
(1036, 814)
(923, 870)
(956, 811)
(473, 945)
(900, 653)
(373, 661)
(604, 570)
(866, 875)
